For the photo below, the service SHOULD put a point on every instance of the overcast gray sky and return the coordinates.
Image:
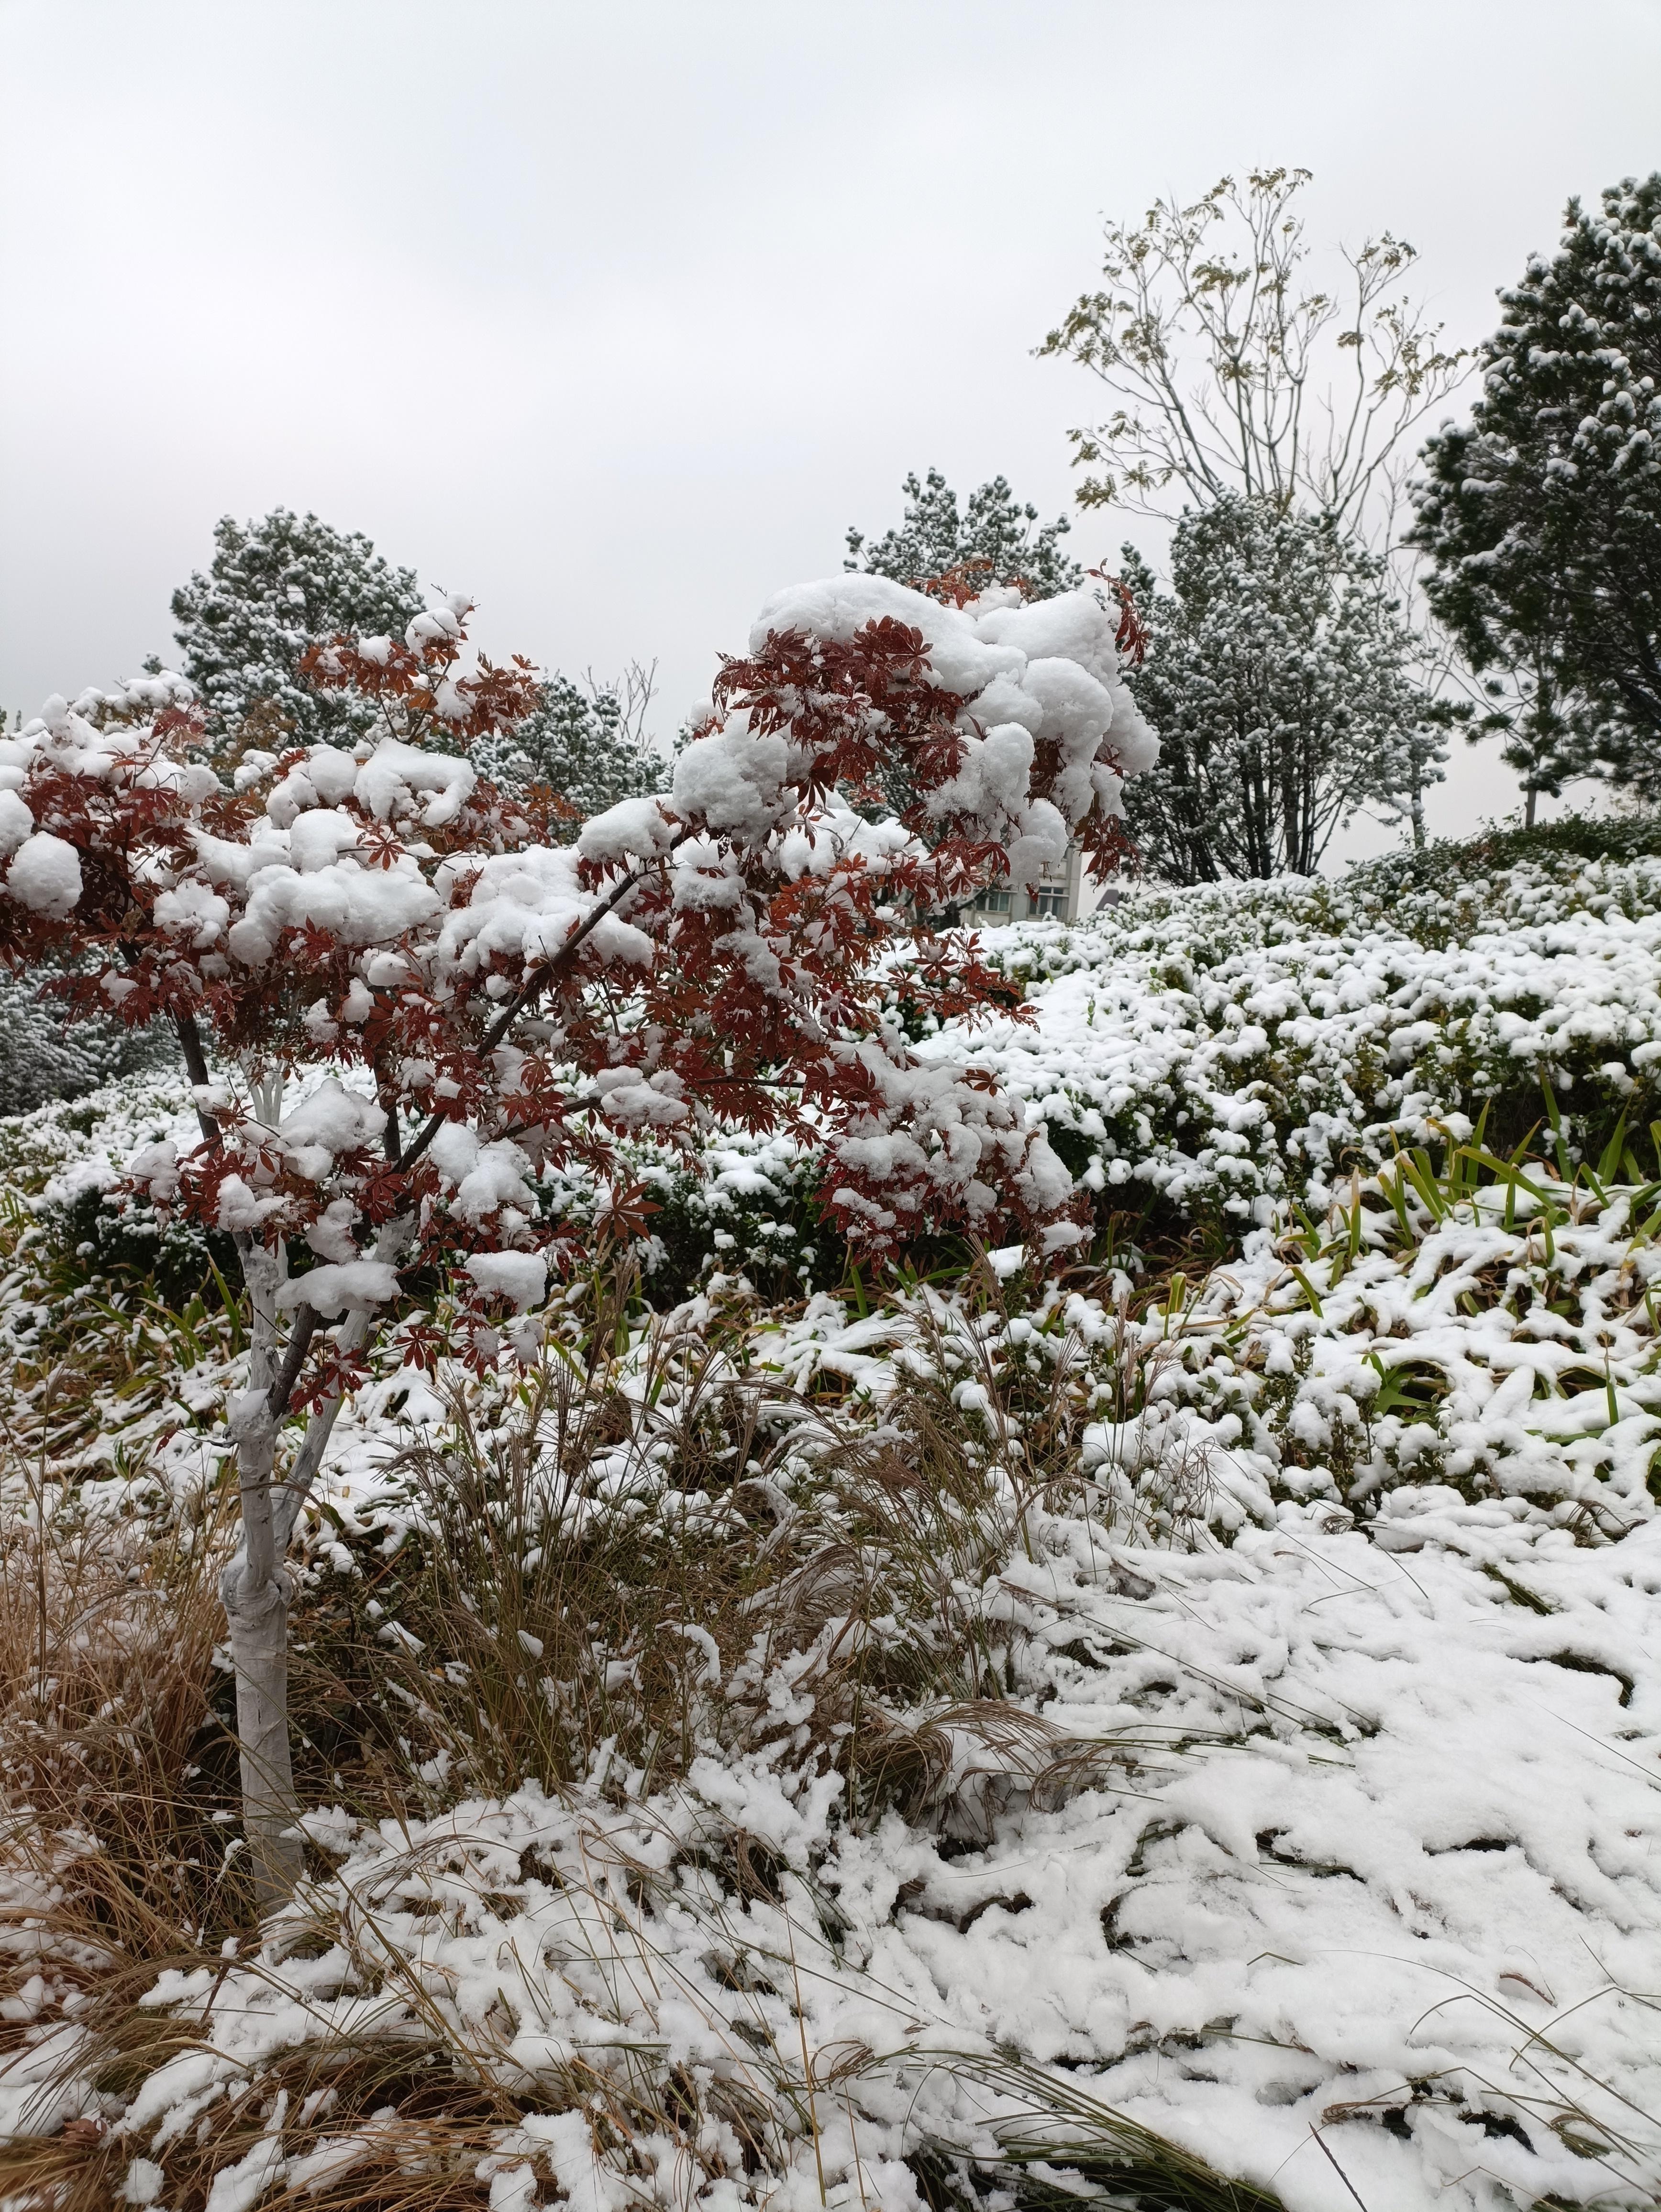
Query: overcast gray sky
(617, 315)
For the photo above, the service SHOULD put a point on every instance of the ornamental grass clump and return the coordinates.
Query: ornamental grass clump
(655, 1551)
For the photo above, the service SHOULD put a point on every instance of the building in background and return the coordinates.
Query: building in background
(1060, 895)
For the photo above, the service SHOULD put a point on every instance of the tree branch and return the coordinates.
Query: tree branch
(306, 1321)
(538, 980)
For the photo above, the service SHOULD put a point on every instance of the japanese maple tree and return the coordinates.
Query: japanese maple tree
(407, 1009)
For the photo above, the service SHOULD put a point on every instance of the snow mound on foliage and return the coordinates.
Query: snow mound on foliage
(1045, 672)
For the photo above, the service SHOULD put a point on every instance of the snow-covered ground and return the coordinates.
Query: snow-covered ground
(1370, 1861)
(1342, 1863)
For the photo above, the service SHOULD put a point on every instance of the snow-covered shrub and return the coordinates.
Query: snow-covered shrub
(1633, 834)
(66, 1162)
(1205, 1057)
(1210, 1055)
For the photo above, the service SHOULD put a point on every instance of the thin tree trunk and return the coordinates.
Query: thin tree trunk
(255, 1590)
(257, 1612)
(290, 1493)
(255, 1586)
(1530, 797)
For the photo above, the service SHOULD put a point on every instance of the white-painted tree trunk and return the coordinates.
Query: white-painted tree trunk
(255, 1590)
(255, 1586)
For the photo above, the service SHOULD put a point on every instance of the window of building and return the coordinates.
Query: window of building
(1050, 900)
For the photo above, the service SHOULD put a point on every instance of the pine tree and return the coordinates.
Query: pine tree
(1277, 674)
(587, 742)
(46, 1058)
(994, 534)
(1542, 516)
(274, 587)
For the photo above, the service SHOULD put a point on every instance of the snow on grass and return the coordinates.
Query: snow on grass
(1367, 1848)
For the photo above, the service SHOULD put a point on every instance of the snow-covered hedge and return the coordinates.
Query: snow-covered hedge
(1217, 1052)
(745, 1204)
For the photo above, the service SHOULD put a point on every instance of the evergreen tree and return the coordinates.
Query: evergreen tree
(994, 534)
(1277, 675)
(586, 741)
(46, 1057)
(1542, 516)
(275, 586)
(288, 582)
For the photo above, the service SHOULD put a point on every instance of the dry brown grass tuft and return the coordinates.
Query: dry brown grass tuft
(110, 1866)
(107, 1628)
(623, 1564)
(590, 1582)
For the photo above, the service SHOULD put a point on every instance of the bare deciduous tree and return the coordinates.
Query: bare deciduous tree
(1228, 377)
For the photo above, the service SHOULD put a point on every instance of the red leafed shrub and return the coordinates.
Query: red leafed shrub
(492, 1004)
